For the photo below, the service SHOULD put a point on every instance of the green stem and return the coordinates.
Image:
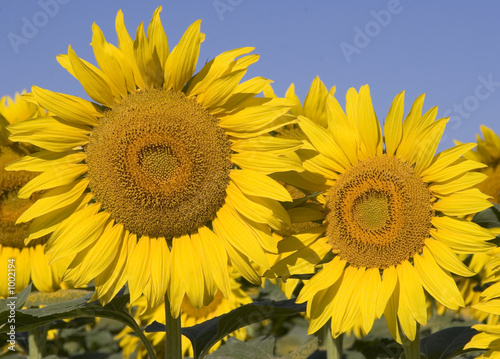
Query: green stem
(37, 338)
(333, 345)
(411, 347)
(173, 346)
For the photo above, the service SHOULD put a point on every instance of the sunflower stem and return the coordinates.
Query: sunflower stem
(412, 347)
(333, 345)
(173, 348)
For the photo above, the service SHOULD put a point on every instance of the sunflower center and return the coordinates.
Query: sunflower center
(159, 164)
(379, 213)
(371, 210)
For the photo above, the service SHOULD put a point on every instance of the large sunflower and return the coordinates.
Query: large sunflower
(30, 262)
(165, 178)
(390, 217)
(189, 316)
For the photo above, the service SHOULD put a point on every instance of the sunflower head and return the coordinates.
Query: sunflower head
(165, 177)
(31, 263)
(391, 219)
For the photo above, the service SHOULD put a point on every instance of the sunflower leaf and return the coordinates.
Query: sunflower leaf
(204, 335)
(27, 319)
(488, 218)
(447, 343)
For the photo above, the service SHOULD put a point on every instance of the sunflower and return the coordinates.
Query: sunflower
(489, 336)
(488, 152)
(164, 178)
(189, 316)
(390, 217)
(30, 262)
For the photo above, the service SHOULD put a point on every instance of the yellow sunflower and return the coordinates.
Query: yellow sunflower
(390, 217)
(189, 316)
(488, 152)
(164, 178)
(29, 261)
(489, 336)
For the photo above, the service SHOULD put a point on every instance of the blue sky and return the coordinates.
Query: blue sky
(448, 49)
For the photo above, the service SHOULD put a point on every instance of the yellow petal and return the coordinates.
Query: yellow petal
(157, 38)
(447, 259)
(55, 199)
(411, 292)
(257, 184)
(315, 102)
(78, 232)
(45, 160)
(265, 163)
(462, 166)
(151, 72)
(393, 126)
(71, 108)
(342, 130)
(219, 91)
(191, 270)
(113, 278)
(428, 143)
(323, 142)
(465, 181)
(267, 144)
(57, 176)
(50, 133)
(107, 61)
(160, 269)
(436, 282)
(462, 203)
(91, 262)
(93, 80)
(367, 122)
(372, 282)
(139, 267)
(325, 278)
(233, 228)
(259, 112)
(47, 223)
(126, 46)
(445, 158)
(389, 281)
(215, 255)
(181, 63)
(321, 308)
(214, 69)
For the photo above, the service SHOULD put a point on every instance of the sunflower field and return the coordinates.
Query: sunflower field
(185, 209)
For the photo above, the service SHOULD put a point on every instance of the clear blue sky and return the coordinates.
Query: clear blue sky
(448, 49)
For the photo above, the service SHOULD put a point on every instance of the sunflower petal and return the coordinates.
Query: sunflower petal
(436, 282)
(181, 63)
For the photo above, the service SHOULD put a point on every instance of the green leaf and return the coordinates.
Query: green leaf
(305, 350)
(27, 319)
(489, 218)
(447, 343)
(203, 336)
